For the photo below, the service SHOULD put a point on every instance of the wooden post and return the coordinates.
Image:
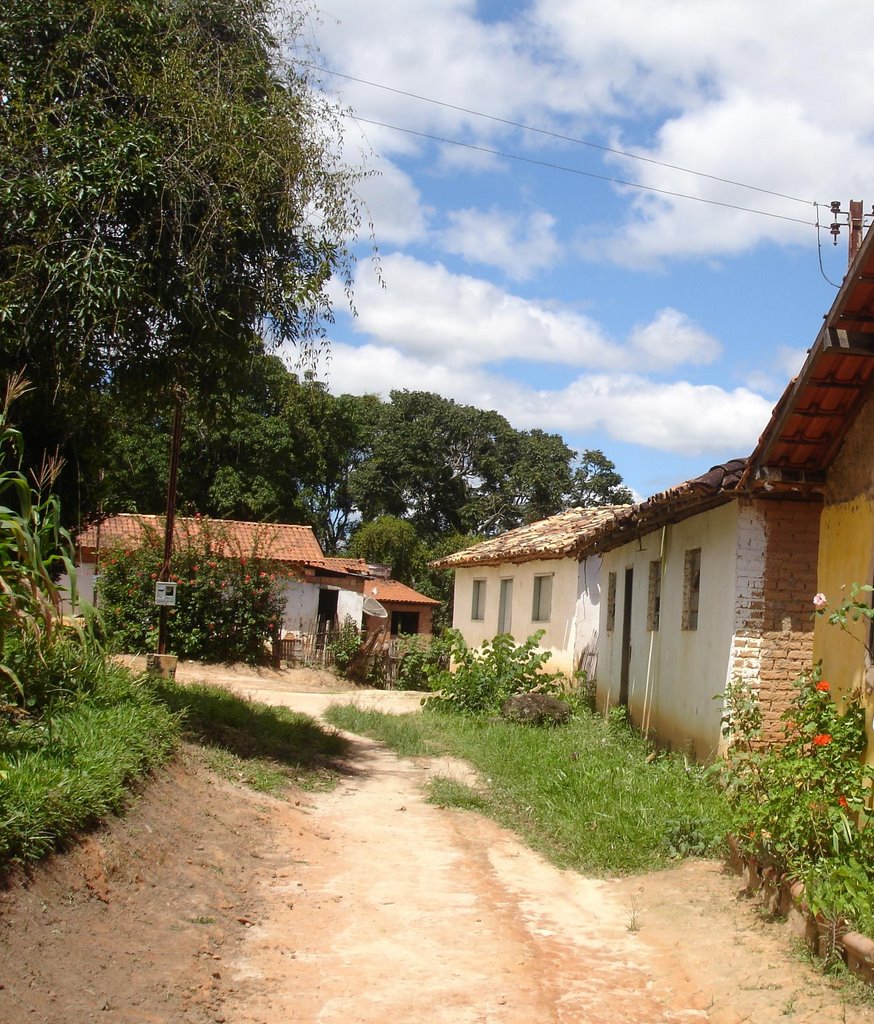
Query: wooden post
(175, 443)
(856, 229)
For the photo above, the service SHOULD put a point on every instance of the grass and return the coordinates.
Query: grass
(75, 758)
(588, 795)
(259, 745)
(65, 769)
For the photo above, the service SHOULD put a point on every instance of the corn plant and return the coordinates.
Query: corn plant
(34, 548)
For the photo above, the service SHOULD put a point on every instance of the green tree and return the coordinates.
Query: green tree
(596, 481)
(169, 191)
(391, 541)
(269, 447)
(452, 468)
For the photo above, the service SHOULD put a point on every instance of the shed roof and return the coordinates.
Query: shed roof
(395, 592)
(281, 542)
(555, 537)
(809, 423)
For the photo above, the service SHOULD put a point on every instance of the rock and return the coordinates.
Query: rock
(535, 709)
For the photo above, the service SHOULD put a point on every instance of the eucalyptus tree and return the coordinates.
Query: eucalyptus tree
(170, 194)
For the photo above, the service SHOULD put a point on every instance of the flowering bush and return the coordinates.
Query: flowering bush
(802, 804)
(228, 607)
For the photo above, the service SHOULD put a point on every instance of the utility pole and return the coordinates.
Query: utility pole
(855, 221)
(856, 229)
(173, 474)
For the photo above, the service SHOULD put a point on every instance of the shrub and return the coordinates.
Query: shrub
(482, 679)
(802, 804)
(420, 658)
(34, 551)
(229, 604)
(345, 643)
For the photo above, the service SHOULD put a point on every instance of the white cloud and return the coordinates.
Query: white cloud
(394, 205)
(516, 244)
(677, 417)
(425, 309)
(673, 339)
(461, 321)
(746, 91)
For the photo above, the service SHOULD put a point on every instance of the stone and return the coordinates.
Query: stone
(535, 709)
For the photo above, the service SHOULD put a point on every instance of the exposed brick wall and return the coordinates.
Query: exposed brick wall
(789, 583)
(749, 616)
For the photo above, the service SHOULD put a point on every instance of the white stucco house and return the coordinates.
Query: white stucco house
(702, 584)
(530, 579)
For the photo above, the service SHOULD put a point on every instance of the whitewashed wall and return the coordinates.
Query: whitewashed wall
(677, 676)
(573, 621)
(587, 617)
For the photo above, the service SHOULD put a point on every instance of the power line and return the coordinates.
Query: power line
(576, 170)
(554, 135)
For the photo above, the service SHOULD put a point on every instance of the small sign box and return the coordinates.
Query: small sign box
(165, 594)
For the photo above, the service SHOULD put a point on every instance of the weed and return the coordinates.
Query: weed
(634, 915)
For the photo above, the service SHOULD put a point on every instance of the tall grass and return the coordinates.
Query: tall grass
(589, 795)
(71, 765)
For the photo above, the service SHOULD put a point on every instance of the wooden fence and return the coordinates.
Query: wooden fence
(376, 662)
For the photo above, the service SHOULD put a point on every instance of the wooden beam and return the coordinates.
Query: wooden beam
(848, 341)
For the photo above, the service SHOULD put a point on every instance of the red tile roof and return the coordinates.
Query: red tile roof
(809, 423)
(394, 592)
(717, 486)
(282, 542)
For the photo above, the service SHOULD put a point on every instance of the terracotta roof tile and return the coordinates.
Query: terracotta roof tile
(554, 537)
(395, 592)
(715, 487)
(283, 542)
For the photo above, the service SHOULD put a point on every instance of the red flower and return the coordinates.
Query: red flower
(842, 800)
(824, 686)
(822, 739)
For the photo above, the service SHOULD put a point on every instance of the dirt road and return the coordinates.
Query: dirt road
(367, 905)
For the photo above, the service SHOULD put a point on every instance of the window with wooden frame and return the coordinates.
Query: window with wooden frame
(611, 601)
(691, 588)
(541, 606)
(478, 601)
(654, 599)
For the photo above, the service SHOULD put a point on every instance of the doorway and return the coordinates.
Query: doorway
(625, 671)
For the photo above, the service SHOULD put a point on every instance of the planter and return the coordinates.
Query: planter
(783, 897)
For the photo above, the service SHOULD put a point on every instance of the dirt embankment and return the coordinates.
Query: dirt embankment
(210, 903)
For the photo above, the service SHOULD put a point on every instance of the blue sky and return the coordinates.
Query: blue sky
(659, 329)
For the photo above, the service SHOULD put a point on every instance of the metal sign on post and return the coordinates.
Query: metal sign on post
(165, 594)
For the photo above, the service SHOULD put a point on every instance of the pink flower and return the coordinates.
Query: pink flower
(820, 601)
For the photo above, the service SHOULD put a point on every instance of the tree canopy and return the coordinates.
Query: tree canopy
(170, 194)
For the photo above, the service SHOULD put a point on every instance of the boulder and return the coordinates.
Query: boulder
(535, 709)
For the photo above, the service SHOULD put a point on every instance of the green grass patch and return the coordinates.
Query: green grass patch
(259, 745)
(451, 793)
(64, 770)
(588, 795)
(74, 762)
(410, 735)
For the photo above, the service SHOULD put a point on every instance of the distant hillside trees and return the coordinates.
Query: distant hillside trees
(381, 476)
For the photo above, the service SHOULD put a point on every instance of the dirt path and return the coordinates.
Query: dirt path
(367, 905)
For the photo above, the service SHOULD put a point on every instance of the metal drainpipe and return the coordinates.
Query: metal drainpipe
(647, 693)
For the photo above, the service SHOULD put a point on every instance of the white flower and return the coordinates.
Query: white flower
(820, 601)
